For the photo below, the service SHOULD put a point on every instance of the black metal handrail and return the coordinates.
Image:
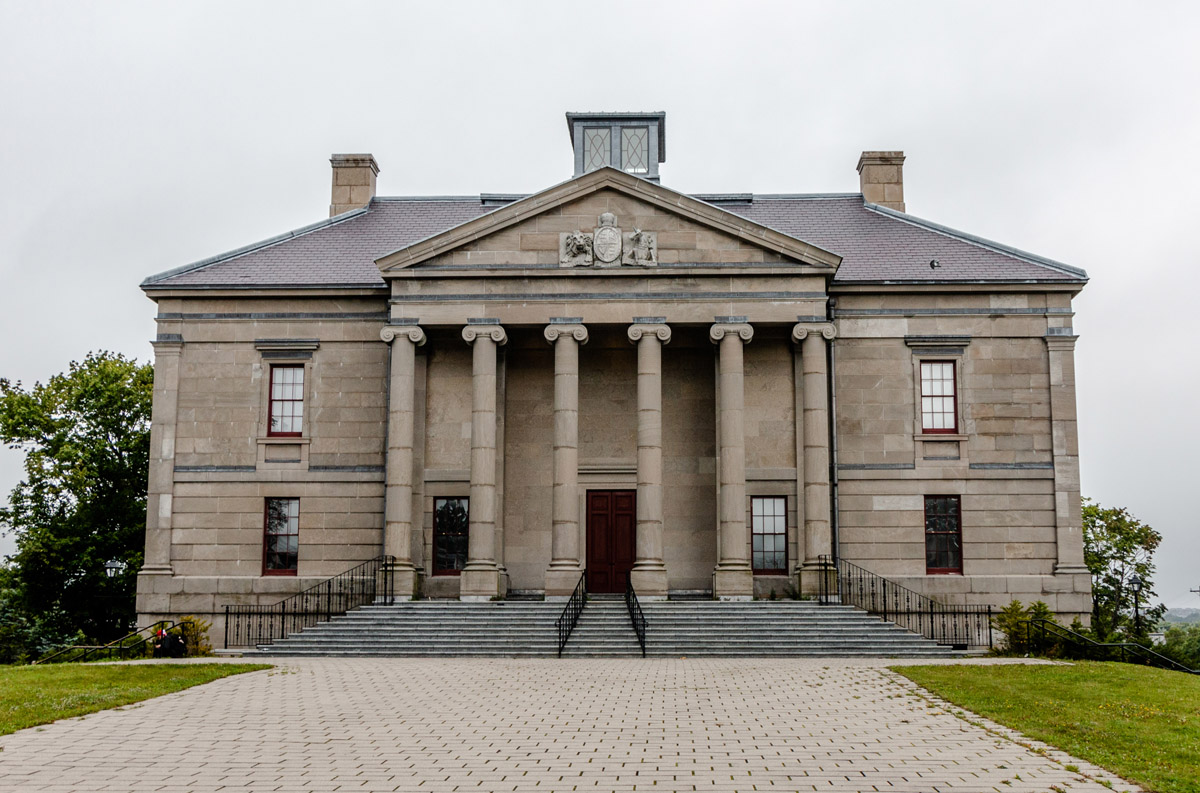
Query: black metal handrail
(1096, 650)
(570, 613)
(369, 582)
(635, 613)
(960, 626)
(130, 645)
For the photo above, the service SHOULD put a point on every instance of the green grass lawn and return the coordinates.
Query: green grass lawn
(1140, 723)
(33, 695)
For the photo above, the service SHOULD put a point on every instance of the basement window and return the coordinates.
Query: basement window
(943, 534)
(768, 535)
(281, 536)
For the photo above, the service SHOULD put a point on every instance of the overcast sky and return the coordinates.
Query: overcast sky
(138, 137)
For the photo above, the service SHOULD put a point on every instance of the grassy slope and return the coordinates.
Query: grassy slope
(1140, 723)
(32, 695)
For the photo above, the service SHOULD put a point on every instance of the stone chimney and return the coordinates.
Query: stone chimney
(881, 178)
(353, 182)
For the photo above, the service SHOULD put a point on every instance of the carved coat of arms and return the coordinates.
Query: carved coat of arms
(606, 240)
(606, 246)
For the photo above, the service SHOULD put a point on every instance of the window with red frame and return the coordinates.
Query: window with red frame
(281, 536)
(939, 398)
(287, 400)
(943, 534)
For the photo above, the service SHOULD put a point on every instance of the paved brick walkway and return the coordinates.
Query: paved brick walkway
(537, 725)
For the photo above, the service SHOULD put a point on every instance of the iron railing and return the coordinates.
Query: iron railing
(132, 645)
(635, 613)
(1043, 636)
(251, 626)
(960, 626)
(570, 614)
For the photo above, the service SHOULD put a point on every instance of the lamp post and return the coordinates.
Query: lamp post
(112, 567)
(1136, 584)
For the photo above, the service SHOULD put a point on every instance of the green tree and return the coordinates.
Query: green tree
(1182, 642)
(1117, 547)
(86, 438)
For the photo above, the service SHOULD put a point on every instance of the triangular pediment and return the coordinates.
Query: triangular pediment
(685, 230)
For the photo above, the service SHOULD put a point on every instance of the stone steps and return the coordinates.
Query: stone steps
(675, 628)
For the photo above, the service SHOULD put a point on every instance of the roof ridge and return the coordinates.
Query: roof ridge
(255, 246)
(981, 242)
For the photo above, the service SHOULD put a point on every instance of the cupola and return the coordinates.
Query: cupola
(632, 142)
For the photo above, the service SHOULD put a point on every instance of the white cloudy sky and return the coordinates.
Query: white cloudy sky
(138, 137)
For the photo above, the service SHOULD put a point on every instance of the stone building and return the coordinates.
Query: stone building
(705, 392)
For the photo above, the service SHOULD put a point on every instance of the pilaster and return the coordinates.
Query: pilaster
(1068, 513)
(168, 350)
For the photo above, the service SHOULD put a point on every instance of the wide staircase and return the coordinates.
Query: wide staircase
(674, 629)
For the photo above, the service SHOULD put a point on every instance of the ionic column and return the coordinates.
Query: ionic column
(649, 573)
(480, 578)
(563, 574)
(398, 492)
(818, 538)
(733, 578)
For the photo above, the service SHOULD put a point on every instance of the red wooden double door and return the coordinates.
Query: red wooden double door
(611, 538)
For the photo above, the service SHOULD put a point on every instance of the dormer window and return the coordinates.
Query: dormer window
(632, 142)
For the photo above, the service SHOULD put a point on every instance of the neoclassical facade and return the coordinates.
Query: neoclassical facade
(704, 393)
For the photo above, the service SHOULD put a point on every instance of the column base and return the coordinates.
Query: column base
(561, 582)
(733, 583)
(406, 582)
(650, 583)
(808, 578)
(164, 569)
(1071, 569)
(478, 584)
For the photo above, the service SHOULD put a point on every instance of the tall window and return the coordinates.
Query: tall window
(449, 535)
(281, 536)
(287, 400)
(768, 536)
(943, 534)
(939, 408)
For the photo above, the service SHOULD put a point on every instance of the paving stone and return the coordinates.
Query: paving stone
(337, 724)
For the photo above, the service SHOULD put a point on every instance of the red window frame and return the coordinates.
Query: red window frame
(943, 523)
(757, 524)
(953, 395)
(291, 526)
(283, 399)
(439, 533)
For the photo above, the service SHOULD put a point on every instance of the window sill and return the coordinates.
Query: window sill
(943, 572)
(290, 439)
(939, 436)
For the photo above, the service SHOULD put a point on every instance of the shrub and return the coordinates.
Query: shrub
(195, 635)
(1010, 622)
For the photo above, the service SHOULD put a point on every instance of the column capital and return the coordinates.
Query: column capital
(390, 333)
(801, 330)
(577, 332)
(1056, 342)
(658, 329)
(494, 332)
(743, 330)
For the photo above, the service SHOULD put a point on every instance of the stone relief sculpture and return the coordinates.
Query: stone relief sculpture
(607, 246)
(606, 240)
(575, 249)
(641, 248)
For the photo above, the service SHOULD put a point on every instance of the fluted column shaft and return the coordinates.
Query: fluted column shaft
(480, 578)
(649, 573)
(733, 579)
(398, 493)
(563, 573)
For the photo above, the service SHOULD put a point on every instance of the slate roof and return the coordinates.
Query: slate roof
(877, 245)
